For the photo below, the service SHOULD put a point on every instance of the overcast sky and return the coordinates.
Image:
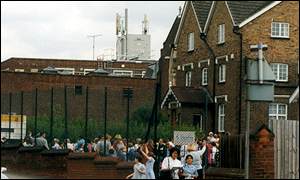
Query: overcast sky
(60, 29)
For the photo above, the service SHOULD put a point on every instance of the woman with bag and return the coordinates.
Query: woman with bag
(170, 165)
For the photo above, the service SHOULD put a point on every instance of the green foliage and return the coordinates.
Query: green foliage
(137, 127)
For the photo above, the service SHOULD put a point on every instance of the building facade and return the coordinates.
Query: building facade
(26, 74)
(212, 47)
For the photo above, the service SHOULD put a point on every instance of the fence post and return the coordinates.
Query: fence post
(86, 111)
(22, 95)
(127, 92)
(35, 115)
(247, 141)
(66, 114)
(105, 118)
(127, 125)
(9, 123)
(51, 114)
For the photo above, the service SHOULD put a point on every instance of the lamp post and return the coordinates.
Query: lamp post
(94, 36)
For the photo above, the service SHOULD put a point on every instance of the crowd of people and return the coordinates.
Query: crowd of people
(165, 160)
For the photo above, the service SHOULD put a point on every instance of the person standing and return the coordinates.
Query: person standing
(171, 163)
(42, 141)
(56, 145)
(150, 162)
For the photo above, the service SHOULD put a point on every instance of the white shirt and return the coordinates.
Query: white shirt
(214, 151)
(169, 163)
(56, 146)
(197, 157)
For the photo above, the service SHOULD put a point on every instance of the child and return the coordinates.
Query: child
(139, 169)
(189, 170)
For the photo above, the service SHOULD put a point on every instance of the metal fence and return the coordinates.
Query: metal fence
(71, 111)
(286, 148)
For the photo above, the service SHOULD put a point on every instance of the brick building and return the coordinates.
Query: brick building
(210, 51)
(25, 74)
(78, 67)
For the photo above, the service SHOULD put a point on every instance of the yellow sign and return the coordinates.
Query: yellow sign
(16, 118)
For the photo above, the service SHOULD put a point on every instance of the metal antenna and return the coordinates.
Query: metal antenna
(94, 36)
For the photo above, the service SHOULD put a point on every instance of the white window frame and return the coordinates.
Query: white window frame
(143, 73)
(191, 41)
(204, 76)
(34, 70)
(222, 73)
(66, 69)
(86, 71)
(19, 70)
(221, 117)
(123, 73)
(277, 72)
(221, 33)
(188, 78)
(277, 115)
(283, 30)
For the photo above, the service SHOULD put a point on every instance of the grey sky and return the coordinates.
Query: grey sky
(60, 29)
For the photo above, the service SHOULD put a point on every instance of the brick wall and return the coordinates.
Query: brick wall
(90, 166)
(231, 46)
(70, 166)
(143, 94)
(279, 51)
(261, 161)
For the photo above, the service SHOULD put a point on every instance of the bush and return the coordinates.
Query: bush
(137, 127)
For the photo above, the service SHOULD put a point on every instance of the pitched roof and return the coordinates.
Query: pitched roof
(191, 95)
(241, 10)
(171, 36)
(202, 9)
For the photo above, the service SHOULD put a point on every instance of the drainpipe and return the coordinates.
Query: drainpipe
(236, 31)
(203, 36)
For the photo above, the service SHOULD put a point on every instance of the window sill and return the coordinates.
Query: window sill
(281, 81)
(222, 82)
(190, 51)
(220, 43)
(278, 37)
(204, 84)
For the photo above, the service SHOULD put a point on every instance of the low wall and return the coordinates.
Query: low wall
(34, 160)
(91, 166)
(62, 164)
(224, 173)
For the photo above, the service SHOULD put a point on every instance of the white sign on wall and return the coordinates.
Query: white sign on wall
(184, 137)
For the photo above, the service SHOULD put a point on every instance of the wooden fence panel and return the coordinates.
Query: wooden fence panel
(286, 148)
